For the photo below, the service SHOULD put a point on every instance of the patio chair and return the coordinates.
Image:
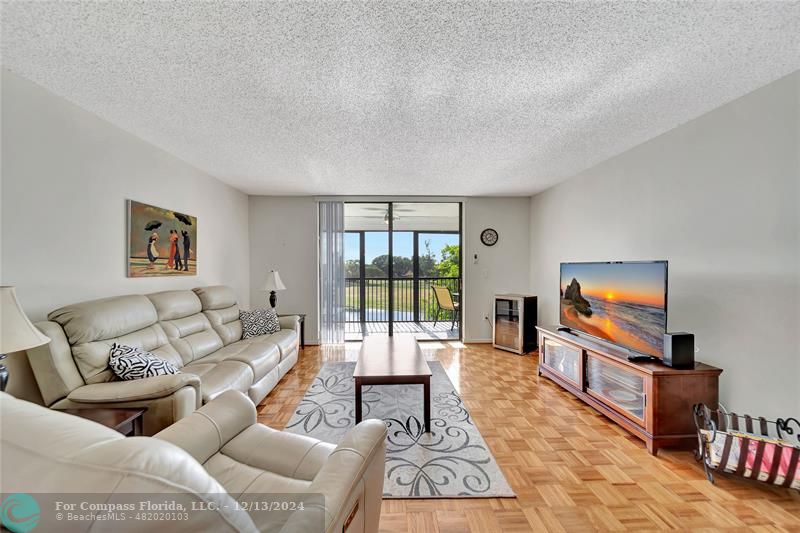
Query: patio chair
(444, 302)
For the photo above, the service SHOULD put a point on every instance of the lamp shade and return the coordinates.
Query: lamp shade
(274, 282)
(16, 331)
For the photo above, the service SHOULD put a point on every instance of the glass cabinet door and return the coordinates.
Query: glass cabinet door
(563, 359)
(622, 388)
(508, 330)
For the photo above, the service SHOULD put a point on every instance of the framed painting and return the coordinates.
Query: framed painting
(161, 242)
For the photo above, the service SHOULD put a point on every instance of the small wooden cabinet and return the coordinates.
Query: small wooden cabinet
(652, 401)
(514, 322)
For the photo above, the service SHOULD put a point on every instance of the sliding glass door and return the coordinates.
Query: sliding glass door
(367, 269)
(403, 269)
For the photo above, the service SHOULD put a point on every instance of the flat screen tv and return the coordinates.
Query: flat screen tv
(624, 303)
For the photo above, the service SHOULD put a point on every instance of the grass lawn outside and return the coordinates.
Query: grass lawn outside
(377, 295)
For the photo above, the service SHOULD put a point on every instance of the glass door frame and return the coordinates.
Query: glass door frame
(415, 259)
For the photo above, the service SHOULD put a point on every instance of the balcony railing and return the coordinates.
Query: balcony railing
(367, 300)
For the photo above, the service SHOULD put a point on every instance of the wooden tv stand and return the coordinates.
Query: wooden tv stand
(649, 399)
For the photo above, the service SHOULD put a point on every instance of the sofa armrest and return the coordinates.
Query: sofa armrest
(290, 322)
(139, 389)
(359, 457)
(53, 365)
(204, 432)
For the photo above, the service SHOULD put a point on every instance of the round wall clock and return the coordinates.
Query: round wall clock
(489, 237)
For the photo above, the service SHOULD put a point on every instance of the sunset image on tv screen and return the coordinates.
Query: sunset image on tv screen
(623, 303)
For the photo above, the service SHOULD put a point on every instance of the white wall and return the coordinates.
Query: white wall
(66, 175)
(719, 198)
(501, 268)
(283, 237)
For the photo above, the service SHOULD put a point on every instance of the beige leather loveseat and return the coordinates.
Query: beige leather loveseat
(218, 455)
(198, 331)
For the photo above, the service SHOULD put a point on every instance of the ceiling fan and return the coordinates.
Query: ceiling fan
(384, 212)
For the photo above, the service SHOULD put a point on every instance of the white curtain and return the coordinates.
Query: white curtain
(331, 272)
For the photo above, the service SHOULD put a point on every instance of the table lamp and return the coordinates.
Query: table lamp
(273, 284)
(16, 331)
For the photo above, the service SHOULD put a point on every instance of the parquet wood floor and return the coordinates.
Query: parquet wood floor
(572, 469)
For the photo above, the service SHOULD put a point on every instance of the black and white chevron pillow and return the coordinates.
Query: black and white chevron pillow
(130, 363)
(259, 322)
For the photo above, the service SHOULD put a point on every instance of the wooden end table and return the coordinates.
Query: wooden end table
(302, 326)
(126, 421)
(393, 361)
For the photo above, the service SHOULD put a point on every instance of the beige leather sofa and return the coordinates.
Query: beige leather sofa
(218, 454)
(198, 331)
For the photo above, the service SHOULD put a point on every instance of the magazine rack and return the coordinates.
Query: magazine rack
(771, 447)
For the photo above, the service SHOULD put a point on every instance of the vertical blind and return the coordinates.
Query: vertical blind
(331, 272)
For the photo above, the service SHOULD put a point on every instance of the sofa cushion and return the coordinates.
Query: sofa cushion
(216, 378)
(215, 297)
(220, 306)
(106, 318)
(240, 479)
(192, 337)
(261, 358)
(186, 327)
(226, 323)
(259, 322)
(129, 363)
(302, 456)
(91, 358)
(92, 328)
(175, 304)
(286, 340)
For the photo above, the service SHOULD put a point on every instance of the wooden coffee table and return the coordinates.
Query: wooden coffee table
(126, 421)
(393, 361)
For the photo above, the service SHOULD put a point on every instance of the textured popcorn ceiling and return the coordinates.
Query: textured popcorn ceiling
(399, 98)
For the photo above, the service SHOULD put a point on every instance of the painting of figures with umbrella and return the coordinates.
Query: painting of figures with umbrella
(160, 242)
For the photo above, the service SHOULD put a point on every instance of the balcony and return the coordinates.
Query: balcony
(414, 306)
(405, 247)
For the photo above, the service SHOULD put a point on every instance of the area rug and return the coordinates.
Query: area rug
(452, 461)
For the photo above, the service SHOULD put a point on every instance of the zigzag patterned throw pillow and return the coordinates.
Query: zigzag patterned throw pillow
(259, 322)
(130, 363)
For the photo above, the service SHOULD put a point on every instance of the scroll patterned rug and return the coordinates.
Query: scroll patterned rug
(452, 461)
